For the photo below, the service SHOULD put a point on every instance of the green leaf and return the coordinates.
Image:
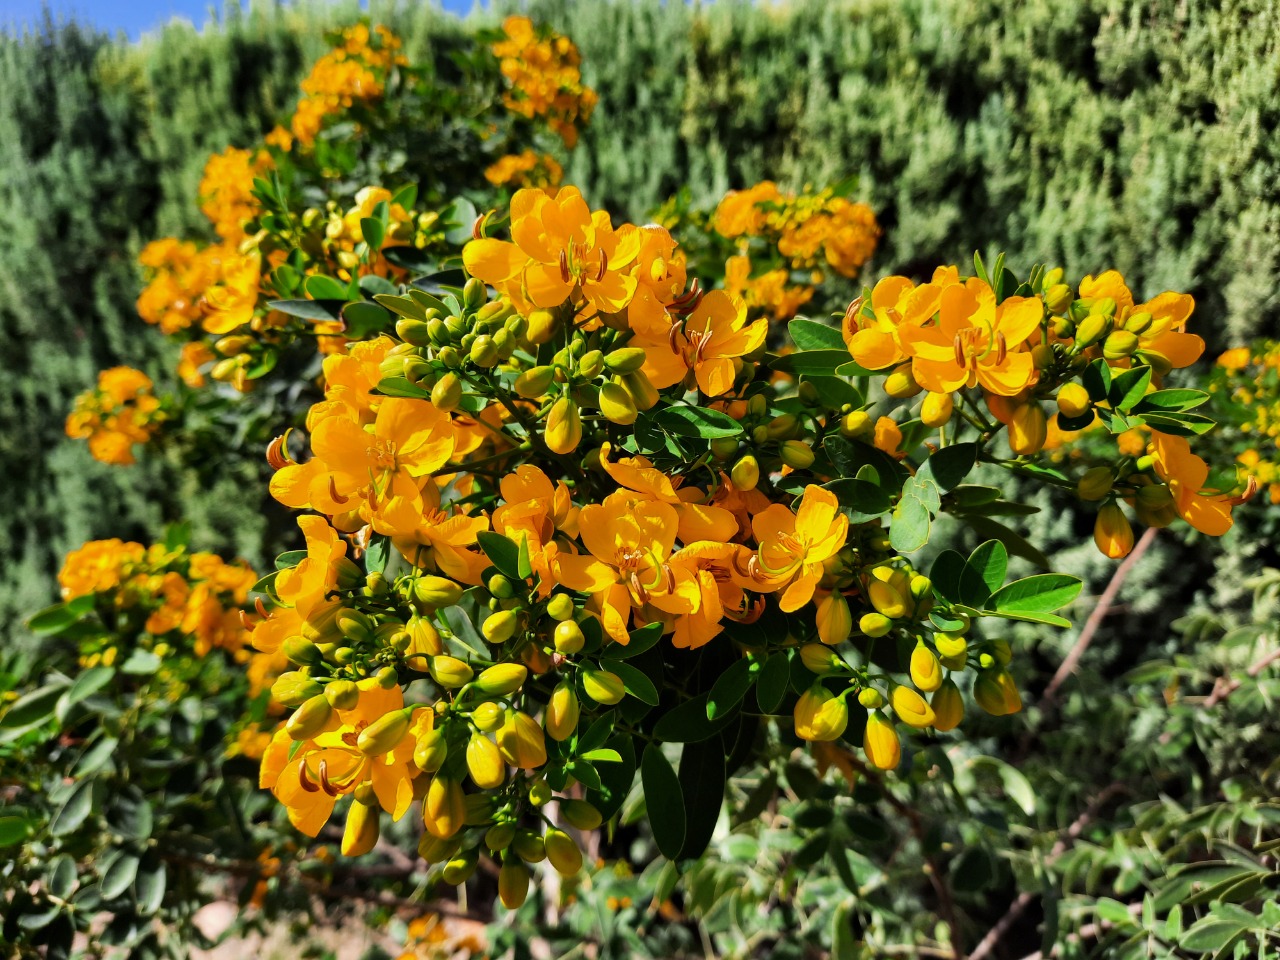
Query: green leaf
(950, 465)
(1129, 387)
(32, 708)
(1210, 935)
(991, 560)
(702, 778)
(400, 387)
(363, 320)
(664, 802)
(687, 722)
(14, 829)
(1042, 593)
(850, 457)
(686, 421)
(62, 876)
(140, 663)
(615, 778)
(374, 232)
(461, 218)
(811, 335)
(405, 307)
(74, 811)
(1016, 786)
(1170, 400)
(957, 580)
(602, 755)
(320, 287)
(636, 682)
(524, 565)
(641, 640)
(148, 888)
(1113, 911)
(502, 553)
(585, 773)
(815, 363)
(1180, 424)
(1097, 380)
(864, 500)
(771, 684)
(86, 685)
(909, 524)
(52, 619)
(406, 196)
(731, 686)
(118, 875)
(321, 310)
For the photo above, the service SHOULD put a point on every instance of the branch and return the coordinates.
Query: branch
(1024, 900)
(1223, 687)
(1098, 614)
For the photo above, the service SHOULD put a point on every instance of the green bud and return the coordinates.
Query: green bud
(602, 686)
(292, 689)
(449, 672)
(540, 793)
(568, 637)
(342, 694)
(385, 733)
(501, 587)
(474, 294)
(484, 352)
(533, 384)
(797, 454)
(591, 364)
(437, 591)
(447, 393)
(302, 651)
(461, 868)
(500, 836)
(528, 846)
(580, 814)
(722, 448)
(310, 719)
(416, 332)
(560, 607)
(625, 359)
(501, 626)
(431, 751)
(502, 679)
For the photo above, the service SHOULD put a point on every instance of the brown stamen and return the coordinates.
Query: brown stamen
(565, 275)
(1002, 348)
(604, 266)
(333, 493)
(278, 451)
(959, 351)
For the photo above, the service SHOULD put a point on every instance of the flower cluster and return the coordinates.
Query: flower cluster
(120, 412)
(1245, 386)
(526, 169)
(164, 598)
(226, 190)
(354, 71)
(543, 76)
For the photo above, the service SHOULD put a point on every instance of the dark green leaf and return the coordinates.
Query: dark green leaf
(771, 685)
(615, 778)
(731, 686)
(1210, 935)
(321, 310)
(75, 810)
(406, 307)
(1097, 380)
(686, 421)
(460, 216)
(118, 875)
(991, 560)
(32, 708)
(502, 553)
(811, 335)
(636, 682)
(89, 682)
(950, 465)
(956, 580)
(1129, 387)
(641, 640)
(400, 387)
(1042, 593)
(364, 320)
(1170, 400)
(814, 363)
(702, 777)
(148, 888)
(320, 287)
(687, 722)
(373, 231)
(52, 619)
(663, 801)
(14, 829)
(864, 500)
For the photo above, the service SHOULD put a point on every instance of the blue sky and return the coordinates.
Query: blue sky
(134, 17)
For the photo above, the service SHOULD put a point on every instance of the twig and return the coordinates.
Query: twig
(1087, 932)
(1024, 900)
(1224, 687)
(1099, 613)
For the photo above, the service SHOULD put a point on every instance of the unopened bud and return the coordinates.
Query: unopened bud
(563, 431)
(384, 734)
(616, 404)
(450, 672)
(561, 717)
(502, 679)
(1112, 533)
(501, 626)
(436, 592)
(568, 638)
(310, 719)
(820, 715)
(293, 689)
(562, 852)
(911, 708)
(602, 686)
(1028, 430)
(361, 832)
(745, 473)
(880, 742)
(948, 706)
(1119, 344)
(901, 383)
(936, 410)
(926, 671)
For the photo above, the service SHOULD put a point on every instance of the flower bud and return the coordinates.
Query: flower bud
(926, 671)
(424, 640)
(1155, 506)
(484, 351)
(996, 692)
(948, 707)
(500, 587)
(521, 743)
(560, 607)
(348, 574)
(1091, 329)
(1119, 344)
(1138, 323)
(434, 850)
(796, 454)
(857, 424)
(1058, 298)
(880, 742)
(436, 591)
(321, 624)
(562, 852)
(835, 620)
(484, 763)
(1073, 400)
(489, 716)
(1095, 484)
(602, 686)
(745, 473)
(1028, 430)
(950, 645)
(911, 708)
(431, 751)
(416, 332)
(901, 383)
(616, 404)
(820, 715)
(499, 836)
(450, 672)
(502, 679)
(561, 717)
(580, 814)
(461, 868)
(1112, 533)
(354, 625)
(384, 734)
(447, 393)
(540, 793)
(311, 719)
(875, 624)
(342, 694)
(870, 698)
(1042, 356)
(591, 364)
(416, 370)
(936, 410)
(501, 626)
(722, 448)
(568, 637)
(886, 599)
(542, 326)
(820, 659)
(529, 846)
(563, 430)
(783, 425)
(361, 832)
(513, 883)
(293, 689)
(532, 384)
(641, 389)
(625, 359)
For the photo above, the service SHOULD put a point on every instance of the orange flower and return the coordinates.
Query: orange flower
(793, 546)
(1185, 473)
(710, 342)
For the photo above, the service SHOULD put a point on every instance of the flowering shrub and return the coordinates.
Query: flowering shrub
(119, 414)
(584, 537)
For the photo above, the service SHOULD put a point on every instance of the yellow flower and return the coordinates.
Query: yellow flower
(1185, 473)
(710, 342)
(793, 546)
